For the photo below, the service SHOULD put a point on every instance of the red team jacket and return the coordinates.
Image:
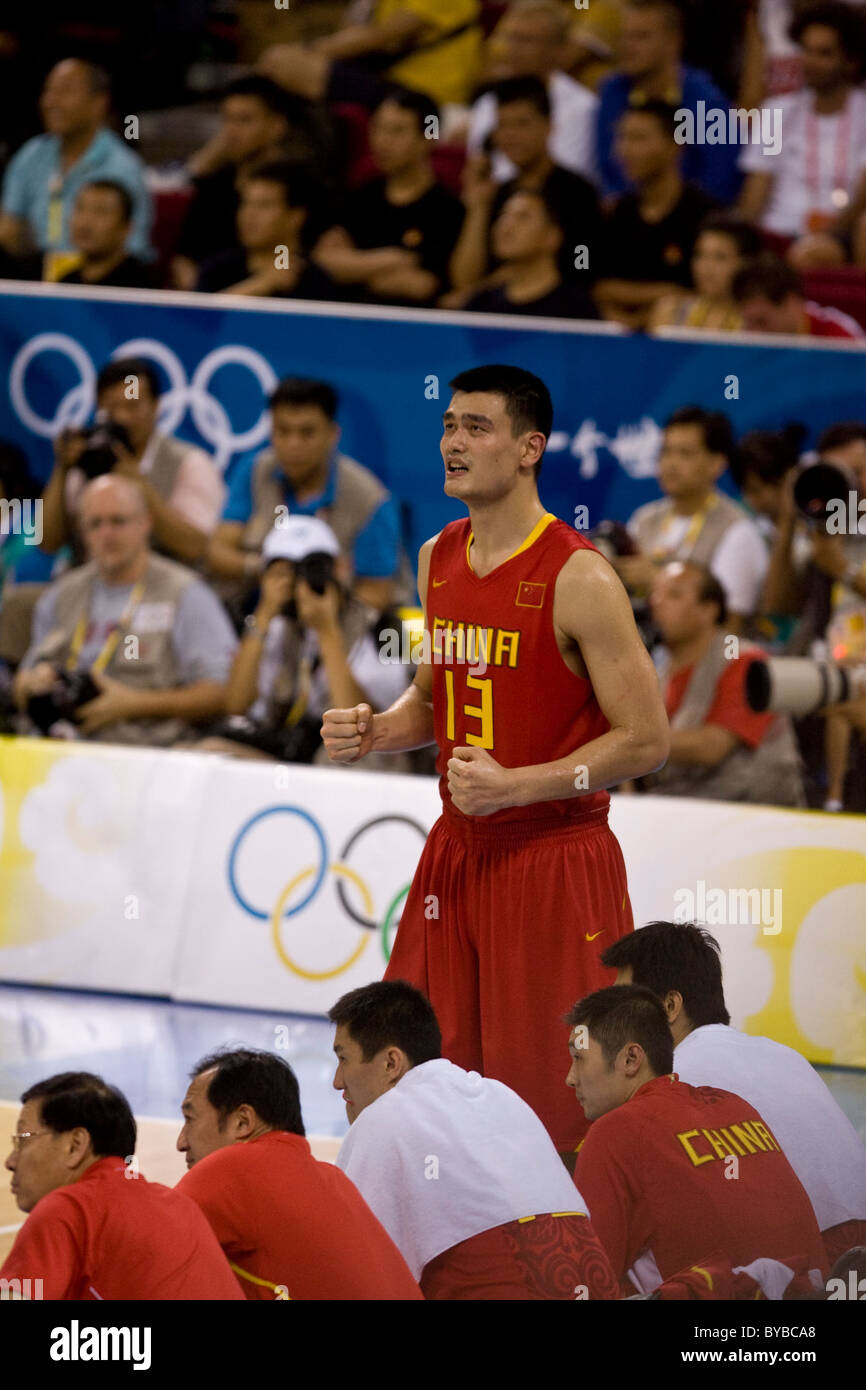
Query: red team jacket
(654, 1176)
(114, 1236)
(526, 707)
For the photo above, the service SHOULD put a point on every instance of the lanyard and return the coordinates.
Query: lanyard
(109, 646)
(690, 539)
(840, 157)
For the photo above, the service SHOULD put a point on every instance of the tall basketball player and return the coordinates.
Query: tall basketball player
(540, 694)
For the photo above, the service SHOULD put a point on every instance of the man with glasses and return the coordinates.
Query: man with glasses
(153, 638)
(97, 1228)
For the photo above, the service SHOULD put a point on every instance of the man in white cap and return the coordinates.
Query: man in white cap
(307, 644)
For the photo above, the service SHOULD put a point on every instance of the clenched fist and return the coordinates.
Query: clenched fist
(348, 733)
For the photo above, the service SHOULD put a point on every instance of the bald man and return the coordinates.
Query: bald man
(45, 176)
(154, 639)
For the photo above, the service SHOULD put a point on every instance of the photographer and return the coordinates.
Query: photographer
(131, 647)
(182, 486)
(306, 646)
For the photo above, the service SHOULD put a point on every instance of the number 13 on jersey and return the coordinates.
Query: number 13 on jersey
(482, 712)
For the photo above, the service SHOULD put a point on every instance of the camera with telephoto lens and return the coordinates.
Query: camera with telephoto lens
(798, 685)
(99, 454)
(70, 690)
(820, 485)
(317, 570)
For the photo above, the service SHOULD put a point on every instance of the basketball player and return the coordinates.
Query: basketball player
(540, 694)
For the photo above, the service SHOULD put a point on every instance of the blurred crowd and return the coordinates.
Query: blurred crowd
(650, 162)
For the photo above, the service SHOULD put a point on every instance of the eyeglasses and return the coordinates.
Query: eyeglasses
(18, 1139)
(97, 522)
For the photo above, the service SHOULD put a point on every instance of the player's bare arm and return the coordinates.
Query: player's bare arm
(596, 633)
(350, 734)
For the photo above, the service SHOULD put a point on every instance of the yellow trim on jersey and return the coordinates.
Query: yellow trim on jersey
(530, 539)
(253, 1279)
(697, 1270)
(521, 1219)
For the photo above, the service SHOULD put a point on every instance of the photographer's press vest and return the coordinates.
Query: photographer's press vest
(146, 664)
(703, 534)
(768, 774)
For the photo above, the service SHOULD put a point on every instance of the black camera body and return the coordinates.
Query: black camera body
(99, 454)
(71, 689)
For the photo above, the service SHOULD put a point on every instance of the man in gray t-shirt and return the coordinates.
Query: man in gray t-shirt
(152, 635)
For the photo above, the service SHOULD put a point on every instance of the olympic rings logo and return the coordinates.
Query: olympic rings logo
(302, 887)
(208, 414)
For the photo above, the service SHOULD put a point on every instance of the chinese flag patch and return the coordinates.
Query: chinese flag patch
(530, 595)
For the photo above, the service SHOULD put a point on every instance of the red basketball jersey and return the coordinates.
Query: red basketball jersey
(499, 680)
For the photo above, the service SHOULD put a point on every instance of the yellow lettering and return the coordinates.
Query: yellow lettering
(765, 1134)
(506, 641)
(716, 1143)
(438, 624)
(697, 1159)
(749, 1127)
(732, 1141)
(484, 712)
(751, 1144)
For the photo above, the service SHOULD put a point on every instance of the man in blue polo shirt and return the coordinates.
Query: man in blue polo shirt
(45, 176)
(650, 67)
(302, 474)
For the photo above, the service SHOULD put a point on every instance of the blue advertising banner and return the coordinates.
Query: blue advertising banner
(220, 356)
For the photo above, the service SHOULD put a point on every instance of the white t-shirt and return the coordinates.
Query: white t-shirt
(573, 111)
(447, 1154)
(740, 560)
(817, 1138)
(816, 155)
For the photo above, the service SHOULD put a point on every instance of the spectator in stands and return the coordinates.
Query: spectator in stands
(279, 218)
(523, 132)
(802, 185)
(694, 520)
(653, 1163)
(397, 231)
(306, 647)
(650, 234)
(527, 240)
(291, 1226)
(303, 474)
(721, 750)
(723, 245)
(681, 964)
(427, 45)
(470, 1224)
(770, 296)
(181, 484)
(43, 178)
(99, 228)
(153, 637)
(90, 1232)
(650, 70)
(530, 41)
(253, 130)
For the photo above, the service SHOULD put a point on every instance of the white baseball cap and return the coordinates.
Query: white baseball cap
(295, 537)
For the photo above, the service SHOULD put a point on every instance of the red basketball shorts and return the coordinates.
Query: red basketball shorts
(502, 930)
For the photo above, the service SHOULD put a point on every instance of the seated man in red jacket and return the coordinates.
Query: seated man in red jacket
(674, 1173)
(97, 1229)
(292, 1226)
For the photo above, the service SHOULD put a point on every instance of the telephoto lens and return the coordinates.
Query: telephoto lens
(797, 685)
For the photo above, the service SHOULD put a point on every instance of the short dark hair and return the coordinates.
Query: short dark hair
(837, 436)
(528, 89)
(674, 12)
(843, 18)
(390, 1013)
(112, 186)
(300, 188)
(263, 89)
(662, 112)
(114, 373)
(623, 1014)
(407, 99)
(766, 275)
(768, 454)
(297, 391)
(710, 590)
(743, 234)
(78, 1099)
(248, 1076)
(527, 399)
(714, 424)
(97, 76)
(675, 955)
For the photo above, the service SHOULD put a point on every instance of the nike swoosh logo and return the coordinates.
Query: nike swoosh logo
(437, 583)
(594, 935)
